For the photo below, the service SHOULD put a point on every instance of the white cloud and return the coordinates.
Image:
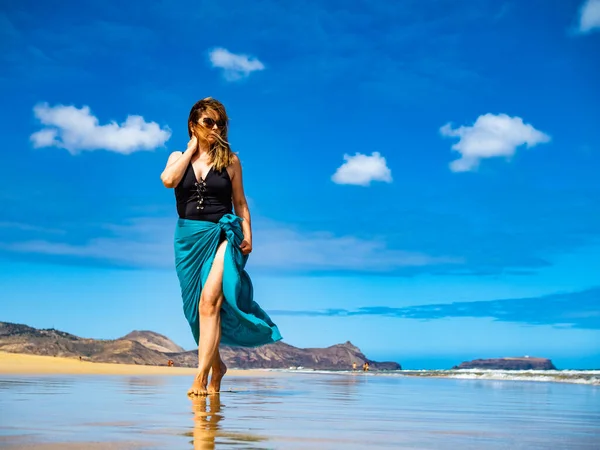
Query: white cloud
(326, 251)
(235, 66)
(30, 228)
(148, 242)
(361, 169)
(589, 16)
(78, 130)
(490, 136)
(145, 242)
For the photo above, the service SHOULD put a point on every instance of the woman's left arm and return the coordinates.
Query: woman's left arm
(240, 205)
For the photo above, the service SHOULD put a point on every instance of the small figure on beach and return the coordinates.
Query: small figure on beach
(170, 363)
(212, 245)
(353, 366)
(366, 367)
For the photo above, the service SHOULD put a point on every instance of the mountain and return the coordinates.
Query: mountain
(154, 341)
(150, 348)
(283, 356)
(516, 363)
(17, 338)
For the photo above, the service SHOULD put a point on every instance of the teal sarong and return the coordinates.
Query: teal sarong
(243, 322)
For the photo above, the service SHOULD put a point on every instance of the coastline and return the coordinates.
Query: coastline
(20, 363)
(25, 364)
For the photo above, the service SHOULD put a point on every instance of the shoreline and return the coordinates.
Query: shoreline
(24, 364)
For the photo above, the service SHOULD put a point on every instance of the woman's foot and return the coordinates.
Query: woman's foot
(199, 385)
(218, 373)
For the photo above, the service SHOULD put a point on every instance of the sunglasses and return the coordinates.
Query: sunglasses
(209, 122)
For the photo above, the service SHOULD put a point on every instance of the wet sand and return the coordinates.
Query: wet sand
(295, 411)
(15, 363)
(14, 444)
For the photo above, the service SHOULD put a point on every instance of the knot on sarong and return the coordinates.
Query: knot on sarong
(231, 225)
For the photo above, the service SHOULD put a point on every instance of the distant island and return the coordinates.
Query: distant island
(514, 363)
(150, 348)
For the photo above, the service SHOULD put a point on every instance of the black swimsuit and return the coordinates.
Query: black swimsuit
(206, 199)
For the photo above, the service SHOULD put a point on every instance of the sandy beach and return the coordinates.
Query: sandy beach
(15, 363)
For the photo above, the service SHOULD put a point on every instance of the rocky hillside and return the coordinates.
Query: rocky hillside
(147, 347)
(520, 363)
(16, 338)
(154, 341)
(283, 356)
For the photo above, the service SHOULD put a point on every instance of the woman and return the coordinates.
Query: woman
(212, 245)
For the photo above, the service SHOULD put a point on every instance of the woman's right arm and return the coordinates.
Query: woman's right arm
(177, 163)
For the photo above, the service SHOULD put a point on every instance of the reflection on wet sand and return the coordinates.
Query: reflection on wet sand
(208, 430)
(207, 415)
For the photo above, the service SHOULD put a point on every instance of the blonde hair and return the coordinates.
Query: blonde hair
(219, 153)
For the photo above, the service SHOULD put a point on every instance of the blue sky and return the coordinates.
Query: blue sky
(421, 175)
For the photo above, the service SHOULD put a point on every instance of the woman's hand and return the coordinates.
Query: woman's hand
(246, 247)
(193, 144)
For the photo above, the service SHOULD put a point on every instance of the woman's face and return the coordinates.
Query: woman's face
(210, 124)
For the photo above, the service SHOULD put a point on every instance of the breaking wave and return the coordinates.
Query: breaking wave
(560, 376)
(590, 377)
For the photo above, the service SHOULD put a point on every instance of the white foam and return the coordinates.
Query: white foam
(589, 377)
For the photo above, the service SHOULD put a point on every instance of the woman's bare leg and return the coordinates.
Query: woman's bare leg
(210, 322)
(219, 369)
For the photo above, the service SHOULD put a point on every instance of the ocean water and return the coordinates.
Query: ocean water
(591, 377)
(297, 411)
